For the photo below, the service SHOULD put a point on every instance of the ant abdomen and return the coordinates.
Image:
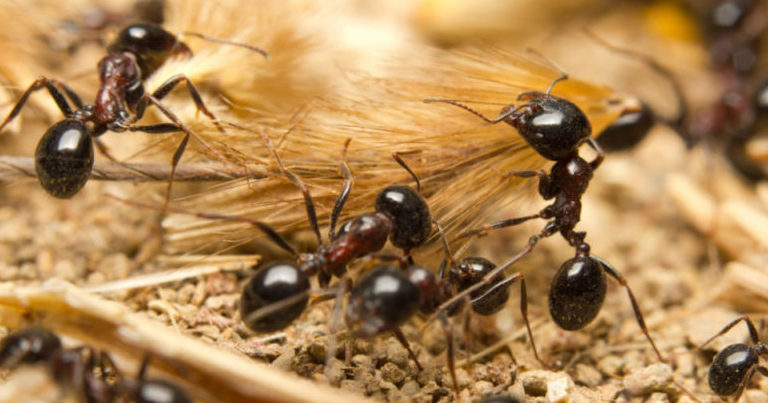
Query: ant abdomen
(411, 221)
(160, 391)
(274, 283)
(577, 292)
(488, 299)
(64, 158)
(381, 301)
(554, 127)
(627, 130)
(28, 346)
(729, 368)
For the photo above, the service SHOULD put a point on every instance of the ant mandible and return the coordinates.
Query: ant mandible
(84, 370)
(64, 155)
(733, 366)
(555, 128)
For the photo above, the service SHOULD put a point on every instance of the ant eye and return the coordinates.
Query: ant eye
(64, 158)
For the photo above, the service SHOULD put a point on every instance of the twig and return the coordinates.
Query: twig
(15, 168)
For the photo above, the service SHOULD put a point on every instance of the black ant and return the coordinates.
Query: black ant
(733, 366)
(733, 29)
(84, 370)
(64, 155)
(385, 297)
(555, 128)
(279, 291)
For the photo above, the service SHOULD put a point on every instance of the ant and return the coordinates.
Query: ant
(83, 370)
(384, 298)
(278, 293)
(733, 366)
(555, 128)
(733, 29)
(64, 155)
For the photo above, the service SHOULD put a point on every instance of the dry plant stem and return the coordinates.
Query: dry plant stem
(14, 168)
(211, 374)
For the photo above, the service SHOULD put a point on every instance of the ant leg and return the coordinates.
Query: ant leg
(638, 315)
(344, 195)
(55, 93)
(600, 153)
(497, 225)
(308, 203)
(450, 356)
(344, 286)
(728, 327)
(164, 89)
(744, 383)
(523, 307)
(263, 227)
(505, 112)
(532, 241)
(404, 342)
(163, 128)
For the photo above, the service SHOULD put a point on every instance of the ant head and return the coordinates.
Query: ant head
(151, 45)
(64, 158)
(553, 126)
(411, 221)
(470, 271)
(274, 283)
(160, 391)
(729, 367)
(381, 301)
(28, 346)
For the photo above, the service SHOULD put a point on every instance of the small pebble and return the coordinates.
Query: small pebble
(586, 375)
(410, 388)
(656, 377)
(392, 373)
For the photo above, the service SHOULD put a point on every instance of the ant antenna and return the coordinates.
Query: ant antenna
(402, 163)
(265, 228)
(344, 195)
(682, 104)
(308, 203)
(563, 74)
(446, 249)
(227, 42)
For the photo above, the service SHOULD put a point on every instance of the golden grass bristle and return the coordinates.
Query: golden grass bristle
(459, 158)
(745, 287)
(213, 266)
(209, 373)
